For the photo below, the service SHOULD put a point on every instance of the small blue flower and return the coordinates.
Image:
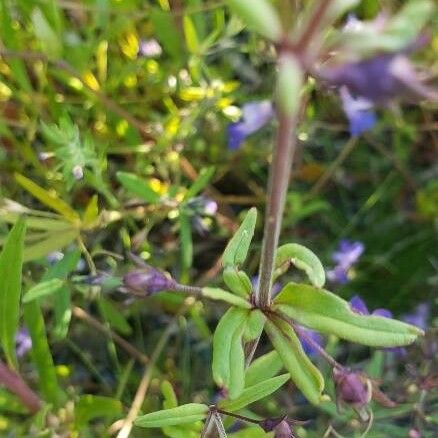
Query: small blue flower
(359, 112)
(254, 116)
(347, 255)
(23, 342)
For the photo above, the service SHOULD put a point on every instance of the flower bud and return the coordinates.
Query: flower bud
(147, 281)
(351, 388)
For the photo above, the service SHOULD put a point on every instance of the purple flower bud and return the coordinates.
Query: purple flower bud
(352, 388)
(283, 430)
(147, 281)
(254, 116)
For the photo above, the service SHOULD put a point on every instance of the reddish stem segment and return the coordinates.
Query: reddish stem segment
(14, 382)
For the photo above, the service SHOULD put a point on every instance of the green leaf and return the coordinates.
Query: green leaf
(203, 179)
(237, 364)
(49, 199)
(303, 259)
(89, 407)
(43, 289)
(137, 186)
(327, 313)
(114, 317)
(170, 399)
(53, 242)
(225, 340)
(237, 281)
(91, 212)
(190, 35)
(50, 42)
(303, 373)
(11, 261)
(62, 299)
(41, 355)
(254, 325)
(253, 393)
(237, 249)
(262, 368)
(167, 33)
(259, 15)
(215, 293)
(170, 417)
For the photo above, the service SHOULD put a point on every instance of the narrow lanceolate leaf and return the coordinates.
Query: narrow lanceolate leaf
(263, 368)
(11, 260)
(50, 199)
(326, 312)
(237, 364)
(254, 325)
(303, 373)
(41, 355)
(137, 186)
(237, 249)
(215, 293)
(237, 281)
(43, 289)
(171, 417)
(224, 341)
(52, 242)
(303, 259)
(253, 393)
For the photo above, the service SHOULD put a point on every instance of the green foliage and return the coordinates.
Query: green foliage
(303, 373)
(90, 407)
(112, 147)
(255, 392)
(323, 311)
(228, 358)
(237, 281)
(302, 258)
(237, 249)
(170, 417)
(11, 260)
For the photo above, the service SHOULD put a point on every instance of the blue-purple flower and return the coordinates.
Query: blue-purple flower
(359, 111)
(358, 305)
(346, 256)
(418, 317)
(308, 339)
(23, 342)
(254, 116)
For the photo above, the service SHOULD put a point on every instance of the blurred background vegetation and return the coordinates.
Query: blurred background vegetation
(109, 111)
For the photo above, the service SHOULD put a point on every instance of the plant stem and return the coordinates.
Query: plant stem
(14, 383)
(279, 175)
